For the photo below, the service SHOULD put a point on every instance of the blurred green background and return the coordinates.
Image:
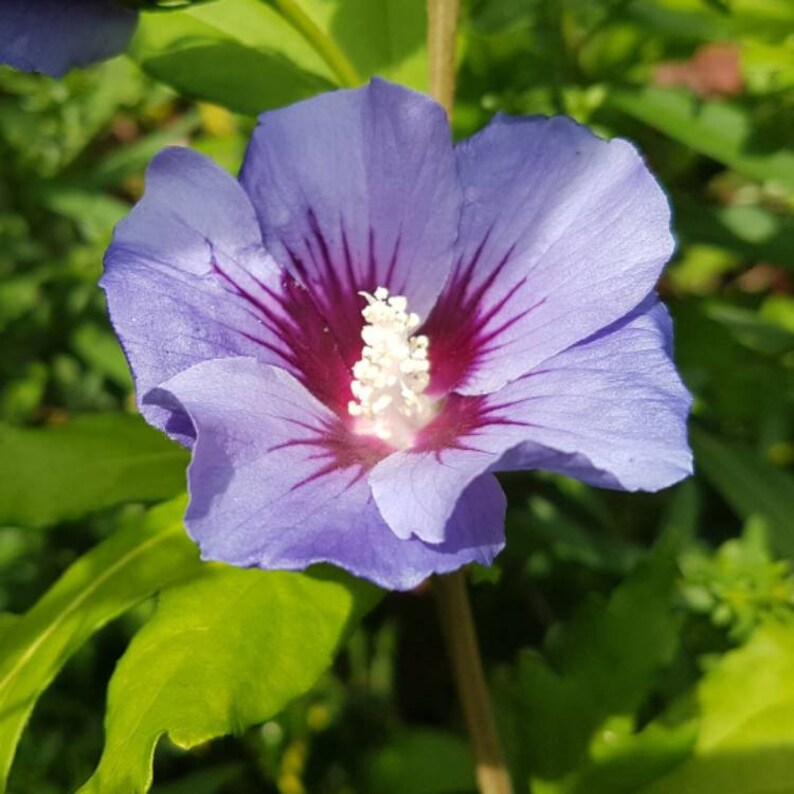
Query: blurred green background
(635, 643)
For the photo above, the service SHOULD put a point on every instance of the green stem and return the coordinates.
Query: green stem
(324, 45)
(450, 590)
(442, 28)
(461, 638)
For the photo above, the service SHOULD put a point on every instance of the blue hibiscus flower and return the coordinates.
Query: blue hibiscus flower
(358, 333)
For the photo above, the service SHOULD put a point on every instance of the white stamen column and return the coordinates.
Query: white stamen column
(392, 374)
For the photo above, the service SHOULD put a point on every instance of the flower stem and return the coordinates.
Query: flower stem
(450, 590)
(442, 28)
(323, 44)
(458, 625)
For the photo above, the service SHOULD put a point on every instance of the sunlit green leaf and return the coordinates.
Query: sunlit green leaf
(239, 53)
(380, 37)
(746, 707)
(92, 462)
(223, 651)
(248, 56)
(767, 67)
(122, 571)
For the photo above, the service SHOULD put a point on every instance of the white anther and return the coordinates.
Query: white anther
(390, 377)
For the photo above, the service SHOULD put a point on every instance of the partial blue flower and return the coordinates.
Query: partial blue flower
(52, 36)
(358, 333)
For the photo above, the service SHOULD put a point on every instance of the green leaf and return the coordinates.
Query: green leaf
(752, 231)
(614, 649)
(224, 651)
(603, 662)
(95, 214)
(131, 159)
(726, 132)
(749, 484)
(691, 20)
(422, 761)
(51, 130)
(768, 67)
(750, 329)
(93, 462)
(239, 53)
(571, 540)
(7, 621)
(383, 37)
(623, 761)
(553, 719)
(249, 57)
(119, 573)
(217, 778)
(101, 350)
(746, 706)
(18, 296)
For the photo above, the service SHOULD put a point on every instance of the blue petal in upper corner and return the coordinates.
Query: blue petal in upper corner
(562, 233)
(263, 494)
(52, 36)
(358, 189)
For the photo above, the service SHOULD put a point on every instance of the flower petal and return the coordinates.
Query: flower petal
(169, 308)
(358, 189)
(613, 408)
(185, 277)
(562, 233)
(610, 411)
(263, 494)
(417, 492)
(51, 36)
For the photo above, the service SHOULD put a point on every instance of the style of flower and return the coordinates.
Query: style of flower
(52, 36)
(358, 333)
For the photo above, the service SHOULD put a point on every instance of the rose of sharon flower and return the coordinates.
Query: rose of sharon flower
(52, 36)
(355, 336)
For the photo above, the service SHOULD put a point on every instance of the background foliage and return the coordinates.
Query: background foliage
(634, 643)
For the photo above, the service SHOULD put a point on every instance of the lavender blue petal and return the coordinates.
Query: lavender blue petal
(358, 189)
(263, 494)
(417, 491)
(613, 407)
(170, 307)
(52, 36)
(610, 411)
(562, 234)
